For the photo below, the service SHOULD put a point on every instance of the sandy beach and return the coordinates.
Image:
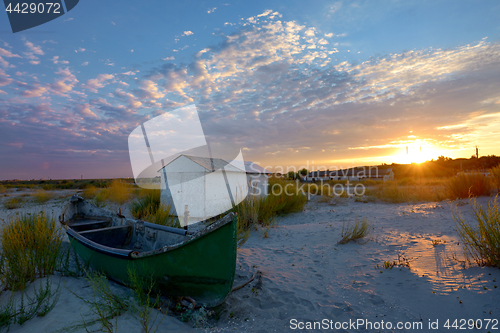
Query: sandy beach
(304, 278)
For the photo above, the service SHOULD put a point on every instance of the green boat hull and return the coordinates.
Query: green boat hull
(201, 267)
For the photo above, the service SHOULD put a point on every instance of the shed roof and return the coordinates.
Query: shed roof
(212, 164)
(251, 167)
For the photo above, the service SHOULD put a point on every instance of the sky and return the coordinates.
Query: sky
(293, 83)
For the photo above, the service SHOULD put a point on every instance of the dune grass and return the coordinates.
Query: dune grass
(284, 198)
(409, 190)
(468, 185)
(495, 176)
(480, 237)
(143, 293)
(90, 192)
(41, 196)
(42, 301)
(14, 202)
(105, 305)
(147, 204)
(354, 232)
(3, 189)
(148, 207)
(30, 249)
(117, 192)
(164, 215)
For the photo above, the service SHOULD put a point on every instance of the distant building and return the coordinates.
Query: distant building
(352, 174)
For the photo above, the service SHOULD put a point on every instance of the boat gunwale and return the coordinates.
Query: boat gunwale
(134, 254)
(112, 251)
(229, 218)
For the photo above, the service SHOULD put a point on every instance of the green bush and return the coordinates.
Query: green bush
(481, 237)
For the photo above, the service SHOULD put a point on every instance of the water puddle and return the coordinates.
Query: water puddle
(440, 259)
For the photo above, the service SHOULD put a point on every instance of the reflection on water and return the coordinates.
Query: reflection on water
(442, 264)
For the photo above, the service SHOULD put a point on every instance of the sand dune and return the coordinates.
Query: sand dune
(303, 276)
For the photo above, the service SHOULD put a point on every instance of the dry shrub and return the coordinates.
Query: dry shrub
(30, 248)
(14, 202)
(481, 237)
(468, 185)
(118, 192)
(2, 189)
(42, 197)
(90, 192)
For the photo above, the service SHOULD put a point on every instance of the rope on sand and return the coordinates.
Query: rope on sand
(244, 284)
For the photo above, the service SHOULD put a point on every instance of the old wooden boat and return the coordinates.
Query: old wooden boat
(199, 263)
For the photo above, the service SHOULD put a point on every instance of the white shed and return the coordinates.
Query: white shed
(206, 187)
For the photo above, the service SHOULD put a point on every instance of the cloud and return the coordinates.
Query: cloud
(310, 32)
(85, 63)
(335, 7)
(56, 61)
(188, 33)
(80, 49)
(4, 78)
(99, 82)
(265, 13)
(35, 90)
(148, 91)
(8, 54)
(271, 85)
(65, 83)
(33, 48)
(133, 101)
(84, 109)
(209, 11)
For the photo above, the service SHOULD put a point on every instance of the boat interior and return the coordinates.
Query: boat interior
(138, 236)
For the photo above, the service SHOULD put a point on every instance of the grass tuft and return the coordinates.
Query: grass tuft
(481, 238)
(354, 232)
(30, 249)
